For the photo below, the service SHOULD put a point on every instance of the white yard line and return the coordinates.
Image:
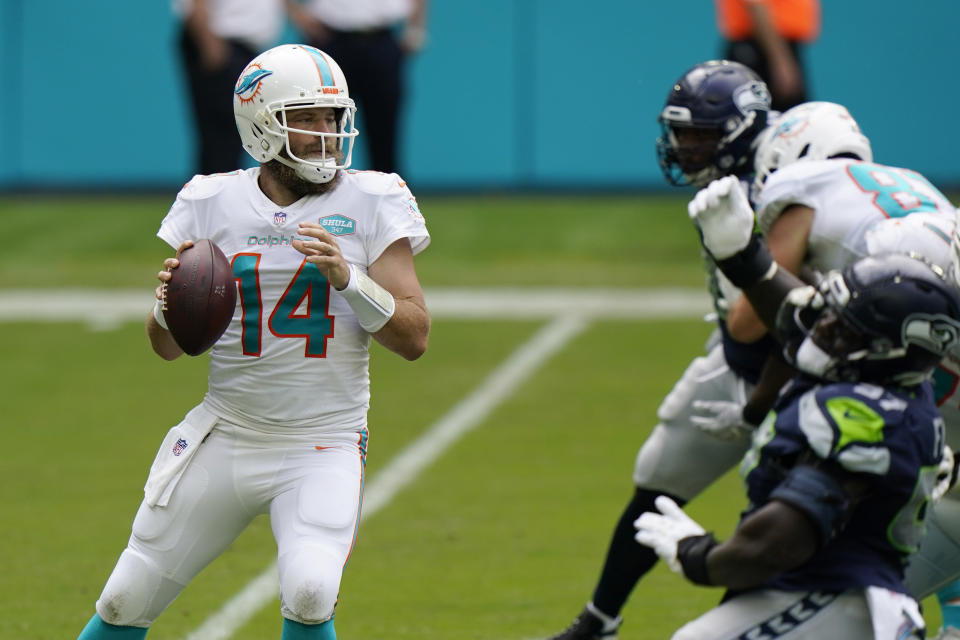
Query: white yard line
(407, 465)
(106, 309)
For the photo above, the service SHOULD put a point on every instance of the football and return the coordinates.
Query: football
(199, 300)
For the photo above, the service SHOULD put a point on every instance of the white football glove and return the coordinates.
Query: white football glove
(662, 531)
(946, 474)
(721, 419)
(724, 216)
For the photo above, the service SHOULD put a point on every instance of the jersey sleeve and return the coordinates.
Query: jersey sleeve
(181, 222)
(190, 216)
(398, 216)
(795, 184)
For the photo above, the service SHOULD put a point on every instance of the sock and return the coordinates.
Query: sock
(627, 560)
(609, 623)
(949, 598)
(97, 629)
(298, 631)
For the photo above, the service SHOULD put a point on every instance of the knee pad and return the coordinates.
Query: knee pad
(309, 585)
(129, 591)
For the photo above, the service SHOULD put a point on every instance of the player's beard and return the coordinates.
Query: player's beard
(288, 178)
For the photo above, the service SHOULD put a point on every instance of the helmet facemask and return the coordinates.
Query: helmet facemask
(323, 168)
(697, 155)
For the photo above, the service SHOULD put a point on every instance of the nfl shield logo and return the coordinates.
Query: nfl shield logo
(279, 218)
(179, 447)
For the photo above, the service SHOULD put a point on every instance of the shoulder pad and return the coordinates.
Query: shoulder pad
(375, 182)
(789, 186)
(203, 186)
(845, 422)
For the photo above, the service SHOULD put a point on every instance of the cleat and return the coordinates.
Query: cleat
(589, 626)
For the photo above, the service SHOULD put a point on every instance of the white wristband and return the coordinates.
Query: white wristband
(158, 315)
(373, 304)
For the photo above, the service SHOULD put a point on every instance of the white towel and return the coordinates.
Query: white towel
(895, 616)
(175, 453)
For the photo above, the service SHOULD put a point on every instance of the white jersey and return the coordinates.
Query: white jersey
(259, 23)
(867, 209)
(294, 354)
(360, 15)
(848, 197)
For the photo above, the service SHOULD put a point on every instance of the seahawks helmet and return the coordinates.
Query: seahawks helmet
(809, 131)
(710, 121)
(293, 76)
(886, 319)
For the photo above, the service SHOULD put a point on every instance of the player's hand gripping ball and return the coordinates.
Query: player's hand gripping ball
(199, 299)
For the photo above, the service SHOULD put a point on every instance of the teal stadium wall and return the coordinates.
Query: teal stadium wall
(509, 94)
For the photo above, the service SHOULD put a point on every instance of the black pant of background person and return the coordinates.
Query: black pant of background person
(373, 60)
(750, 54)
(211, 98)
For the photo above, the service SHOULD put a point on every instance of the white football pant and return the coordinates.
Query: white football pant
(679, 457)
(309, 484)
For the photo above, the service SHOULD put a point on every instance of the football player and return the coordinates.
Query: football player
(710, 123)
(842, 470)
(822, 202)
(324, 261)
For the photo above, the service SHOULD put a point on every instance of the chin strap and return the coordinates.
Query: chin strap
(310, 173)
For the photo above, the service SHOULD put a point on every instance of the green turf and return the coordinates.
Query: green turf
(500, 539)
(484, 240)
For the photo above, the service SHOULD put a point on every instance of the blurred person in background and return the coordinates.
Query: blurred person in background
(372, 40)
(769, 37)
(217, 40)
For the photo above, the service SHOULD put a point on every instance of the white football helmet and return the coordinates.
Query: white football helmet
(809, 131)
(293, 76)
(931, 236)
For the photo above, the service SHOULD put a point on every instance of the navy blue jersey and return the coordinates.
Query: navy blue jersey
(890, 439)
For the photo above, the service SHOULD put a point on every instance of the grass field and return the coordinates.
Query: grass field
(501, 538)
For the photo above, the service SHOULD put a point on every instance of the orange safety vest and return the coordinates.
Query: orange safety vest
(793, 19)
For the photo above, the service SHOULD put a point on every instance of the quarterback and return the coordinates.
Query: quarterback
(323, 258)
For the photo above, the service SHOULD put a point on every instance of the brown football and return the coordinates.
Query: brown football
(200, 298)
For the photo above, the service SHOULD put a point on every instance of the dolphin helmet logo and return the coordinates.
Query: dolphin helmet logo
(248, 87)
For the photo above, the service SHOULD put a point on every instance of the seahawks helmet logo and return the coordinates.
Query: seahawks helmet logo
(938, 334)
(752, 96)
